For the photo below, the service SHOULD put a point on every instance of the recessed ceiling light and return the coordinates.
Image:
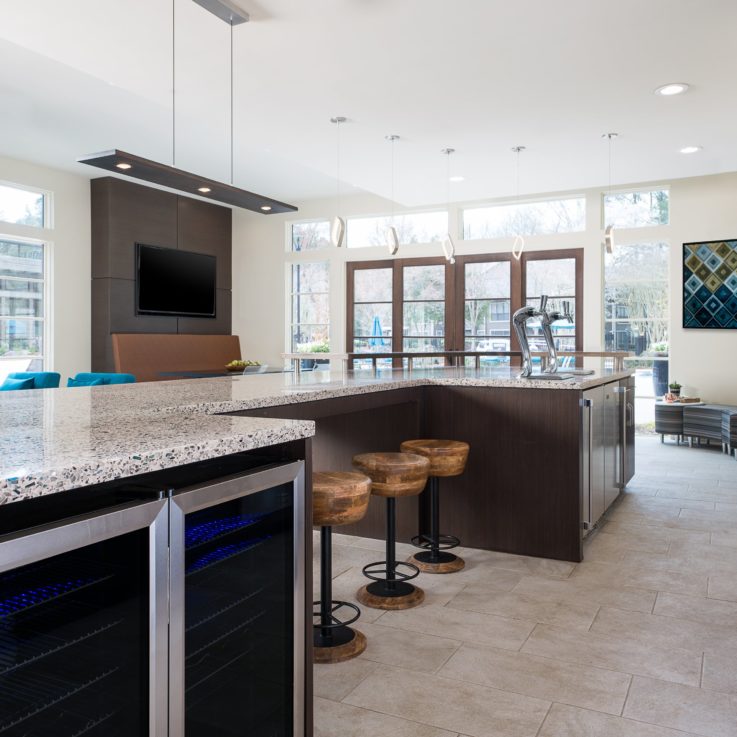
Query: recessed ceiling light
(691, 149)
(457, 179)
(204, 190)
(123, 166)
(672, 88)
(266, 208)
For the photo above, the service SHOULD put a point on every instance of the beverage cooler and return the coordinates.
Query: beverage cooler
(174, 617)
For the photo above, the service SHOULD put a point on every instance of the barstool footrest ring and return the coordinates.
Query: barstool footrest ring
(445, 542)
(373, 571)
(336, 605)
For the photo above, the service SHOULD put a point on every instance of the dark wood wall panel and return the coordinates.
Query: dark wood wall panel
(361, 424)
(125, 213)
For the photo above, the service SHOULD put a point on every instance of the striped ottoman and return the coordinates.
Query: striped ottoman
(729, 430)
(704, 421)
(669, 420)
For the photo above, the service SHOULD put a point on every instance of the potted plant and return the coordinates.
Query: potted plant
(675, 388)
(659, 351)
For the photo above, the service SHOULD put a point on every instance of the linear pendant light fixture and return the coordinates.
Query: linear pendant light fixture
(609, 229)
(449, 246)
(392, 238)
(519, 242)
(138, 167)
(337, 227)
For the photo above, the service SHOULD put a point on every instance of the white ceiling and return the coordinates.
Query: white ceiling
(479, 75)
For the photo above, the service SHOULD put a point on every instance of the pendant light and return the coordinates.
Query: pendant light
(449, 247)
(138, 167)
(519, 242)
(337, 227)
(392, 239)
(609, 229)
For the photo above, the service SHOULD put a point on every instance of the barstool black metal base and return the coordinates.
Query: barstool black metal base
(444, 542)
(347, 643)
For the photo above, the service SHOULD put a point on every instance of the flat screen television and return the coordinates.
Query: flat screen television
(173, 282)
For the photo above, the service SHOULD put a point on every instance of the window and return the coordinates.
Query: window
(525, 218)
(22, 306)
(423, 310)
(487, 308)
(636, 298)
(637, 209)
(418, 227)
(310, 236)
(22, 206)
(556, 278)
(310, 322)
(462, 307)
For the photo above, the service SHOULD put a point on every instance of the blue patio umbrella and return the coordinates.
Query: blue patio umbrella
(377, 333)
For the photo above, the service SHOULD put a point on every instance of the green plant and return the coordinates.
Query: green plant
(659, 348)
(674, 386)
(316, 347)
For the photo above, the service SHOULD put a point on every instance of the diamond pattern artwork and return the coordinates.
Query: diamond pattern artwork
(710, 285)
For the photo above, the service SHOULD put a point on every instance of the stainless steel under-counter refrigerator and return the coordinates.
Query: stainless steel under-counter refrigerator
(181, 616)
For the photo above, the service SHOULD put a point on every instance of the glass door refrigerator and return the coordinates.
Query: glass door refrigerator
(237, 622)
(83, 625)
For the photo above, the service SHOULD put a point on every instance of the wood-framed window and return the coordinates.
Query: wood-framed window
(427, 304)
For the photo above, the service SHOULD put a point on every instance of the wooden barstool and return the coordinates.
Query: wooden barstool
(338, 498)
(447, 458)
(392, 475)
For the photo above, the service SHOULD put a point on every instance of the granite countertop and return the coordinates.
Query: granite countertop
(53, 440)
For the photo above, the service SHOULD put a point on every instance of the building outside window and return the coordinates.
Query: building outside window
(22, 306)
(310, 310)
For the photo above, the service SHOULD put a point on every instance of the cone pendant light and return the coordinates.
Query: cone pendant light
(519, 242)
(337, 227)
(449, 246)
(609, 229)
(392, 238)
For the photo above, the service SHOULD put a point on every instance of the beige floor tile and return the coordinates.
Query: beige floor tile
(720, 672)
(443, 621)
(727, 538)
(542, 678)
(569, 721)
(697, 608)
(634, 502)
(723, 586)
(641, 577)
(605, 541)
(711, 494)
(575, 590)
(579, 614)
(682, 558)
(342, 720)
(694, 710)
(476, 711)
(665, 631)
(336, 680)
(602, 650)
(412, 650)
(653, 532)
(477, 574)
(522, 564)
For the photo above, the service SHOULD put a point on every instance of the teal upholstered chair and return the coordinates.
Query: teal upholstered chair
(41, 379)
(96, 378)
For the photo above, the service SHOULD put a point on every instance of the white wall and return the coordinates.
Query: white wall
(702, 208)
(68, 239)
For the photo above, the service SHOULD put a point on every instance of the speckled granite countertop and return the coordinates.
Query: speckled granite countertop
(53, 440)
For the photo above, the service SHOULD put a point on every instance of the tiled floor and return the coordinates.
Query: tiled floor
(640, 640)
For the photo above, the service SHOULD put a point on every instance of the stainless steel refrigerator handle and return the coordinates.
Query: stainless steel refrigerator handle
(201, 497)
(158, 585)
(624, 391)
(589, 405)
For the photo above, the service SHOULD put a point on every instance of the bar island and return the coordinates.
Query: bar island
(154, 537)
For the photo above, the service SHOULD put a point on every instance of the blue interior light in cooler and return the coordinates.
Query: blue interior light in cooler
(39, 595)
(224, 552)
(205, 531)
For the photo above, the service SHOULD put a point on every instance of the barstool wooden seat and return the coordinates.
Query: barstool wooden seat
(392, 475)
(447, 458)
(338, 498)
